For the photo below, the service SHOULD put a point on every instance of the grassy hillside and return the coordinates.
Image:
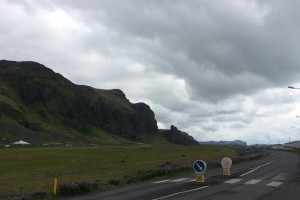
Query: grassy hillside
(41, 106)
(159, 138)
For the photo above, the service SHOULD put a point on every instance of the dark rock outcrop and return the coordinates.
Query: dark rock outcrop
(178, 137)
(143, 118)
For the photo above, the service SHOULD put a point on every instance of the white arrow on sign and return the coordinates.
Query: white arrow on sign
(199, 166)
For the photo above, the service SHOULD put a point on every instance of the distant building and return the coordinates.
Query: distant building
(278, 146)
(21, 142)
(281, 147)
(295, 144)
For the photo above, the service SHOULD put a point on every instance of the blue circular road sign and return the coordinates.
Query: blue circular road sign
(199, 166)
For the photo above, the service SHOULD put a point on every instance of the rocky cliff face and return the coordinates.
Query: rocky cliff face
(178, 137)
(31, 94)
(143, 118)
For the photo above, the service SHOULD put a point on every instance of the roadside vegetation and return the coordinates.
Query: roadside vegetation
(33, 169)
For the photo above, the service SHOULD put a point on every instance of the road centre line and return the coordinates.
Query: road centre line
(162, 181)
(280, 177)
(234, 180)
(274, 184)
(256, 168)
(178, 180)
(183, 192)
(252, 182)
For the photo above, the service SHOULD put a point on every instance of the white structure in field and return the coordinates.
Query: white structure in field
(278, 146)
(295, 144)
(21, 142)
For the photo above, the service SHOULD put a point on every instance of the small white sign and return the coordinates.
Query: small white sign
(226, 162)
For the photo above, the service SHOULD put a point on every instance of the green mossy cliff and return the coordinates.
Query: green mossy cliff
(48, 106)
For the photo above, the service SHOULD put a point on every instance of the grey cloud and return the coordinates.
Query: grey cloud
(202, 65)
(225, 51)
(210, 128)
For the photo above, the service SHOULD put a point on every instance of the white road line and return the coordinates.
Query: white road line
(183, 192)
(252, 182)
(280, 177)
(274, 184)
(234, 180)
(163, 181)
(256, 168)
(192, 180)
(178, 180)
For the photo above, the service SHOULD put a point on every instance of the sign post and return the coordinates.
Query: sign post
(55, 186)
(199, 168)
(226, 164)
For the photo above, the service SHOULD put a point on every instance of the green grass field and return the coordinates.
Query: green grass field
(29, 169)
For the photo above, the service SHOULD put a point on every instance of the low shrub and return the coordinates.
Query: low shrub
(73, 188)
(40, 194)
(168, 168)
(213, 163)
(24, 198)
(114, 182)
(36, 195)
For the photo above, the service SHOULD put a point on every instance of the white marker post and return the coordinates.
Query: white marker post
(199, 168)
(226, 164)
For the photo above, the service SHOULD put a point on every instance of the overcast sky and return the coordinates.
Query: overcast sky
(216, 69)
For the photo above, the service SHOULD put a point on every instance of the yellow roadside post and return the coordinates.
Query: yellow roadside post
(199, 168)
(55, 186)
(226, 164)
(200, 177)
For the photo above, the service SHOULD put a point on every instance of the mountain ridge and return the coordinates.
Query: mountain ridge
(32, 93)
(225, 143)
(41, 105)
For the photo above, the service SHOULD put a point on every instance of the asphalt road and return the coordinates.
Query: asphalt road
(274, 177)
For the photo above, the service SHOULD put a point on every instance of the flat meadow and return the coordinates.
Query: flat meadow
(27, 169)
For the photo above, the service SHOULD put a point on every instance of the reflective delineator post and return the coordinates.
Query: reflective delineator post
(226, 164)
(200, 177)
(55, 186)
(226, 172)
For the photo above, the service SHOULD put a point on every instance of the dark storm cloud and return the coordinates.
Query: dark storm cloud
(234, 47)
(228, 47)
(202, 65)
